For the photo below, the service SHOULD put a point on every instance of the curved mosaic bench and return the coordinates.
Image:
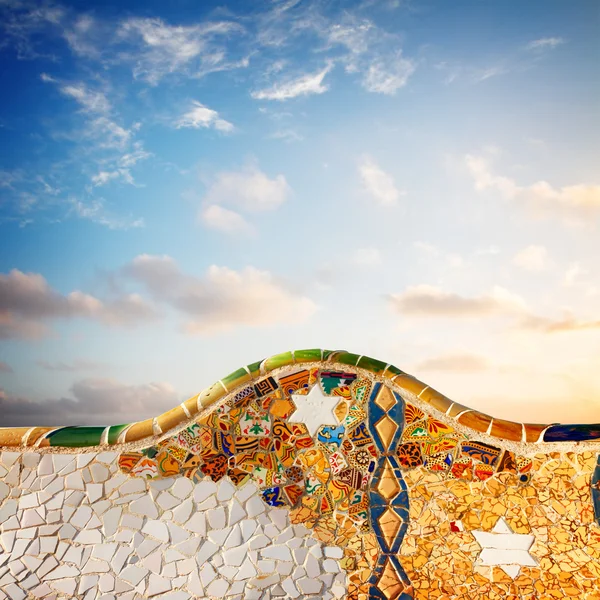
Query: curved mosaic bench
(424, 497)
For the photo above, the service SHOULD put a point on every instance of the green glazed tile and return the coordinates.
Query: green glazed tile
(328, 353)
(76, 437)
(313, 354)
(371, 364)
(279, 360)
(347, 358)
(114, 432)
(254, 368)
(394, 370)
(236, 378)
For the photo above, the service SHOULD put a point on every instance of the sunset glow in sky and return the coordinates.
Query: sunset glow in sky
(187, 187)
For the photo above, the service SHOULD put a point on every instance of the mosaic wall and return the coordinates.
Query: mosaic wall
(308, 475)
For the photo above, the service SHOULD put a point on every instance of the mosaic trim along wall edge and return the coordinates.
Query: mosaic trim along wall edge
(82, 437)
(421, 496)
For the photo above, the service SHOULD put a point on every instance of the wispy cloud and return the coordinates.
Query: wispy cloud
(577, 203)
(95, 210)
(387, 76)
(428, 301)
(305, 85)
(165, 49)
(547, 43)
(224, 298)
(362, 48)
(287, 135)
(432, 301)
(568, 323)
(90, 100)
(104, 177)
(77, 365)
(200, 116)
(96, 108)
(377, 183)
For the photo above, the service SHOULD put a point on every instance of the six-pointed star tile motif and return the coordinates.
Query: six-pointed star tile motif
(505, 549)
(314, 409)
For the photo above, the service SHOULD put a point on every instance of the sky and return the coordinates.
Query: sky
(187, 187)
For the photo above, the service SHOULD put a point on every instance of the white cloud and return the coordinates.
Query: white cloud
(428, 301)
(168, 48)
(249, 189)
(136, 155)
(389, 75)
(95, 210)
(224, 298)
(27, 303)
(201, 116)
(432, 301)
(545, 43)
(96, 108)
(532, 258)
(578, 202)
(367, 257)
(109, 133)
(82, 37)
(377, 183)
(301, 86)
(225, 220)
(90, 100)
(489, 72)
(104, 177)
(287, 135)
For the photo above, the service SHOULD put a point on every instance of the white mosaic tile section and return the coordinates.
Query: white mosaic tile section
(74, 526)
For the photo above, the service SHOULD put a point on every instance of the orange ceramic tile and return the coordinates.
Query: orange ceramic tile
(507, 430)
(475, 420)
(390, 583)
(456, 409)
(386, 427)
(390, 523)
(172, 418)
(534, 431)
(211, 395)
(385, 398)
(409, 383)
(192, 405)
(12, 436)
(388, 485)
(435, 399)
(139, 431)
(37, 433)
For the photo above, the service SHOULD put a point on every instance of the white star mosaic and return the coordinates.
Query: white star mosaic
(505, 549)
(314, 409)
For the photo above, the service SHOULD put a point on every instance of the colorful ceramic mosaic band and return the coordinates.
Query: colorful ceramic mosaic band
(417, 497)
(78, 437)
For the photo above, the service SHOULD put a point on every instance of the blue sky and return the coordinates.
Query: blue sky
(192, 187)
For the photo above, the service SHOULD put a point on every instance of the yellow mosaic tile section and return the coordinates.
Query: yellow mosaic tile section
(442, 557)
